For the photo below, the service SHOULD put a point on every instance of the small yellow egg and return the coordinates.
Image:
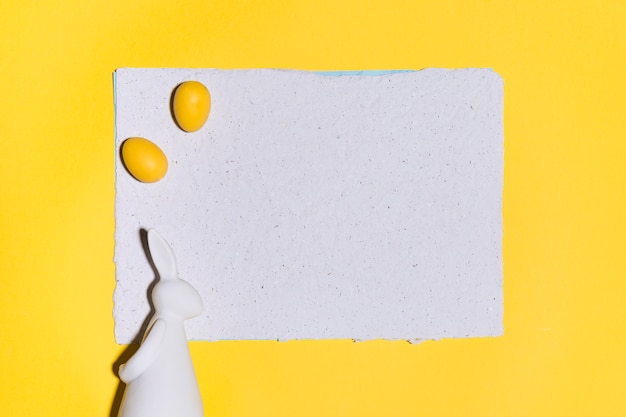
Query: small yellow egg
(191, 104)
(144, 160)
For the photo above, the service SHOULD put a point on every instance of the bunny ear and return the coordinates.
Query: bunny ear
(162, 256)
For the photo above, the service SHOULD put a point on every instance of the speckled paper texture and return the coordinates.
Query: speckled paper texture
(312, 206)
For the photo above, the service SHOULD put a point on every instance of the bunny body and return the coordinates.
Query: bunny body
(160, 378)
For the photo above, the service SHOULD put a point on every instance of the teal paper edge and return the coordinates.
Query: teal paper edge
(369, 73)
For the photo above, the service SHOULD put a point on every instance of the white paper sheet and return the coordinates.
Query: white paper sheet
(315, 206)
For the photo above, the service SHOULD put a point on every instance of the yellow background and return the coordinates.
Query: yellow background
(564, 349)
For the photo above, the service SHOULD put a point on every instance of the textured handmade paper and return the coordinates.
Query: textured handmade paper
(316, 206)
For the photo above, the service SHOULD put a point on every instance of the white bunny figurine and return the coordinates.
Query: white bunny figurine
(160, 378)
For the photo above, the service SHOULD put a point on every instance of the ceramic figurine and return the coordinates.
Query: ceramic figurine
(160, 378)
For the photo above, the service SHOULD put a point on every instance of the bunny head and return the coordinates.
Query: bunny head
(176, 297)
(171, 295)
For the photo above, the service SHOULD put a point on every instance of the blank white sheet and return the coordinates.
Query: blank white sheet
(317, 206)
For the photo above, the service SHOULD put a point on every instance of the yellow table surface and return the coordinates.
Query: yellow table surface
(564, 348)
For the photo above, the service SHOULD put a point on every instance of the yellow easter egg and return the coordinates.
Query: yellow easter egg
(191, 104)
(144, 160)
